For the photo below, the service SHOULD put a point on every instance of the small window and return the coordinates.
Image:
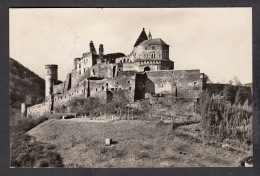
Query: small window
(116, 82)
(82, 90)
(80, 72)
(48, 71)
(96, 89)
(84, 70)
(115, 88)
(153, 47)
(145, 47)
(77, 91)
(65, 96)
(119, 88)
(106, 84)
(102, 87)
(79, 65)
(129, 88)
(128, 81)
(112, 89)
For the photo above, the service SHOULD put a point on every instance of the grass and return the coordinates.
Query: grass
(139, 144)
(25, 151)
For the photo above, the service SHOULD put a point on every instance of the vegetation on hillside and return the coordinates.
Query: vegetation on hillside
(24, 85)
(24, 150)
(230, 118)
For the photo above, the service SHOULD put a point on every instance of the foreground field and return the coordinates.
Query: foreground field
(81, 143)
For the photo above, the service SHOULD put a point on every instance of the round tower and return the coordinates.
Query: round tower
(51, 78)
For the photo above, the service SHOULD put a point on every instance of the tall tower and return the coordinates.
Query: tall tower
(92, 47)
(51, 78)
(101, 51)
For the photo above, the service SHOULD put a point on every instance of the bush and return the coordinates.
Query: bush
(42, 163)
(226, 121)
(26, 152)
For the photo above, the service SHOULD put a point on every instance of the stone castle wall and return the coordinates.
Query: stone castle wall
(39, 109)
(181, 83)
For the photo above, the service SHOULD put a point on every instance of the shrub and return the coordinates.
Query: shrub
(54, 158)
(226, 121)
(42, 163)
(26, 152)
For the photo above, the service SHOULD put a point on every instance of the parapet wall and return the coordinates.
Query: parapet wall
(39, 109)
(181, 83)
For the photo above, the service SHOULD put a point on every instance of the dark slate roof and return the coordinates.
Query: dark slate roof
(141, 38)
(156, 41)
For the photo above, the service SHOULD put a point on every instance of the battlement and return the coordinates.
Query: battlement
(51, 66)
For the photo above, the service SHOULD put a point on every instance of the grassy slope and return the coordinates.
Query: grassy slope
(140, 144)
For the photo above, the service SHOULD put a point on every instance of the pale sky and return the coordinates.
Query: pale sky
(218, 41)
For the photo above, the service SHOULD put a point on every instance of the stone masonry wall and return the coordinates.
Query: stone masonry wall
(182, 83)
(39, 109)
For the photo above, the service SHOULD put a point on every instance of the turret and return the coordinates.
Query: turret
(101, 51)
(149, 36)
(51, 78)
(92, 47)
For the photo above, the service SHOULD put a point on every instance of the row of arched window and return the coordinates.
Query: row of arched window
(149, 62)
(125, 60)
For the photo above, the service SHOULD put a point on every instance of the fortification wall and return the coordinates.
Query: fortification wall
(76, 78)
(58, 88)
(39, 109)
(131, 66)
(182, 83)
(104, 70)
(80, 91)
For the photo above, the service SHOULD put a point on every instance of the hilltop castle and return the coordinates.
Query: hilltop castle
(146, 72)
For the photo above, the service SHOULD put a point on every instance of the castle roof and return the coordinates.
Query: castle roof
(156, 41)
(141, 38)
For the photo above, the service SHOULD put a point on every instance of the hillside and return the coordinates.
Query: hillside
(24, 85)
(136, 144)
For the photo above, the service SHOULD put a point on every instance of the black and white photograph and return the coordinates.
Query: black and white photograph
(130, 87)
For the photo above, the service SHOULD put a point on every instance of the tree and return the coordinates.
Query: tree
(237, 81)
(206, 79)
(28, 100)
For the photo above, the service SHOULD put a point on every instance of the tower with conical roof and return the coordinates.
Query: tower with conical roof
(141, 38)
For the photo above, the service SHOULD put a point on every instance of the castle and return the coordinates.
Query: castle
(146, 72)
